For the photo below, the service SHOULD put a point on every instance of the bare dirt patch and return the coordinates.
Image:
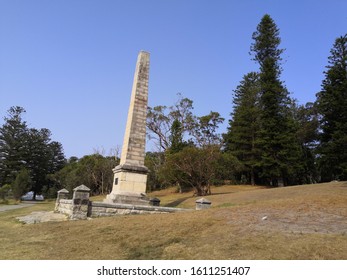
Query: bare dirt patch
(287, 221)
(305, 209)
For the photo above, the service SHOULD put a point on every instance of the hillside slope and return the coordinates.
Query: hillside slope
(300, 222)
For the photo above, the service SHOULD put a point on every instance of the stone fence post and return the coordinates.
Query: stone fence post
(154, 201)
(62, 194)
(202, 203)
(80, 203)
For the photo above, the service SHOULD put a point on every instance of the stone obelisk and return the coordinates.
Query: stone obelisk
(130, 176)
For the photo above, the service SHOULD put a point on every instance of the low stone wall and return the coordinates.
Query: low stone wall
(80, 207)
(100, 209)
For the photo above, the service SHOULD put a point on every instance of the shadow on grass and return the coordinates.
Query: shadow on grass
(181, 200)
(176, 202)
(212, 194)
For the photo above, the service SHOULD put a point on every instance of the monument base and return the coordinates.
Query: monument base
(129, 186)
(127, 198)
(129, 179)
(131, 199)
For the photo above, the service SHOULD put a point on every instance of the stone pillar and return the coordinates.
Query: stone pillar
(62, 194)
(130, 176)
(202, 203)
(80, 203)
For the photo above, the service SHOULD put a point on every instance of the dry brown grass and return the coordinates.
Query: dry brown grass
(303, 222)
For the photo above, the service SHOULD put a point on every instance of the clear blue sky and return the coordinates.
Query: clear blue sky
(70, 63)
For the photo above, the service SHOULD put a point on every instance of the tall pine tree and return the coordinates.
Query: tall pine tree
(241, 139)
(279, 147)
(30, 149)
(12, 145)
(332, 106)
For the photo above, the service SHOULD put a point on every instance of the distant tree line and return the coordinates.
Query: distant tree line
(271, 139)
(27, 156)
(94, 171)
(31, 161)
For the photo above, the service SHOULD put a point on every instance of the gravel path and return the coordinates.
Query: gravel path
(34, 217)
(4, 208)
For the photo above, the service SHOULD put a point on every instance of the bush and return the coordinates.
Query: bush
(4, 192)
(22, 184)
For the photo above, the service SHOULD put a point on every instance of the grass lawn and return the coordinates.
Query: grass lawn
(245, 222)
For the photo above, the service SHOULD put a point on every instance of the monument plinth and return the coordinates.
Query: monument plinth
(130, 176)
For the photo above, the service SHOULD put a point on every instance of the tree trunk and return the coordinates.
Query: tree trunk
(252, 177)
(280, 182)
